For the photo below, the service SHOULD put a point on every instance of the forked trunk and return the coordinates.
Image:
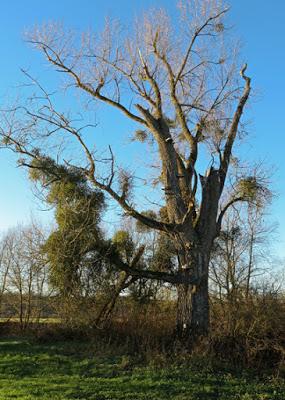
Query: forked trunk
(192, 318)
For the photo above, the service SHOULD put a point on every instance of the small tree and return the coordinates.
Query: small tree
(178, 85)
(5, 263)
(24, 273)
(241, 253)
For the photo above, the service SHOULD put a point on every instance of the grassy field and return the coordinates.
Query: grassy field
(78, 371)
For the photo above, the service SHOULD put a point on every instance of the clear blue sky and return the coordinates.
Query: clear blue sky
(259, 24)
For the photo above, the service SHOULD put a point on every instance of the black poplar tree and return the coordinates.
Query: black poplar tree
(178, 82)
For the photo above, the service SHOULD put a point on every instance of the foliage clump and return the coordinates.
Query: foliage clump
(251, 189)
(77, 213)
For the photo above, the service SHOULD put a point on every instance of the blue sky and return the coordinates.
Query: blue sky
(259, 25)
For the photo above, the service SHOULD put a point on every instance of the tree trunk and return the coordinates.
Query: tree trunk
(192, 318)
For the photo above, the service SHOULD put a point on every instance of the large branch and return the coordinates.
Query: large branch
(177, 105)
(54, 58)
(154, 85)
(225, 209)
(154, 224)
(174, 279)
(170, 162)
(18, 148)
(181, 118)
(130, 77)
(234, 127)
(124, 283)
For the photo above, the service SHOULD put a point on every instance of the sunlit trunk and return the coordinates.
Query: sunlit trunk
(193, 302)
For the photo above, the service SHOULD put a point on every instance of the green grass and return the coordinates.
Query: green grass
(74, 371)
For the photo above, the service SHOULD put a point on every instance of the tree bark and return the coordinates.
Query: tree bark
(192, 318)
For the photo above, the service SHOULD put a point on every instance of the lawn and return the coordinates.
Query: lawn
(77, 371)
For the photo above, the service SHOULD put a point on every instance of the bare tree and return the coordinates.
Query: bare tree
(5, 263)
(242, 252)
(24, 272)
(178, 84)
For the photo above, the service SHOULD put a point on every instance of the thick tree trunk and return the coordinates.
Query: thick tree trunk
(193, 302)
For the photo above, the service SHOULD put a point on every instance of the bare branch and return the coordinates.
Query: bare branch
(197, 33)
(54, 58)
